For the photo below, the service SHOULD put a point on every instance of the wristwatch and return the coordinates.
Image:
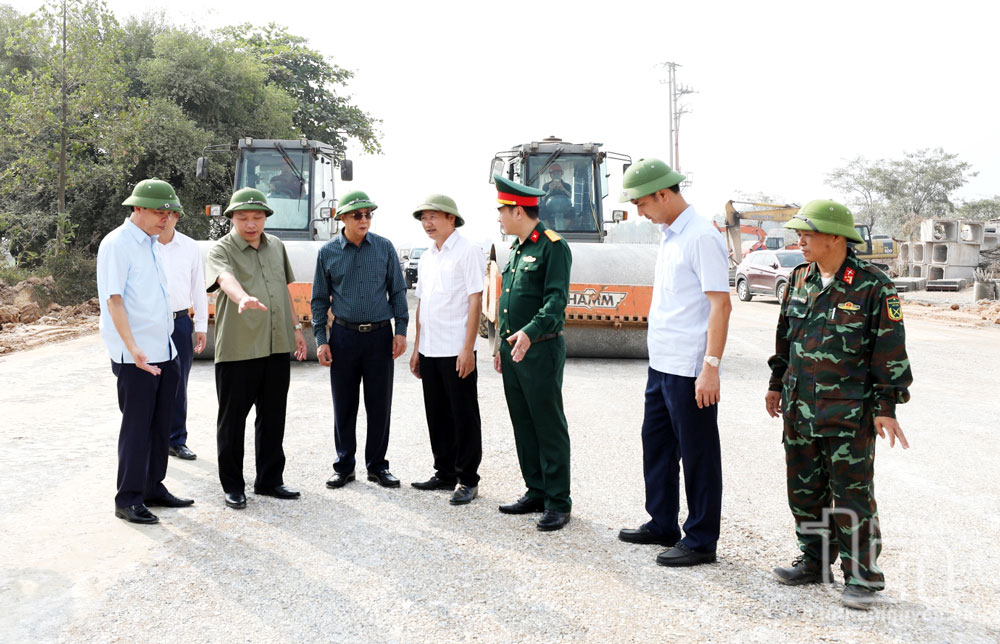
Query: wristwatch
(713, 361)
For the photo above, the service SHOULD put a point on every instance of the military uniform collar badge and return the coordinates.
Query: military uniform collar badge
(849, 275)
(534, 235)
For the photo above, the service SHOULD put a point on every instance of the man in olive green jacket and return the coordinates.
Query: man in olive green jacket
(531, 316)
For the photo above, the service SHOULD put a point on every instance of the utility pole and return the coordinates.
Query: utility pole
(675, 110)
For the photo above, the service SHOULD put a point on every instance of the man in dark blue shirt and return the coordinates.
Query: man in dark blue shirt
(358, 279)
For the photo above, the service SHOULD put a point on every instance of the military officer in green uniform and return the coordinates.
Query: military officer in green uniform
(838, 372)
(530, 318)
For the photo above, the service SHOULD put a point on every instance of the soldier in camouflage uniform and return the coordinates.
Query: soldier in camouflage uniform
(839, 369)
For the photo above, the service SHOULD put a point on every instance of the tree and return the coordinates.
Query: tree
(309, 78)
(63, 115)
(981, 209)
(895, 194)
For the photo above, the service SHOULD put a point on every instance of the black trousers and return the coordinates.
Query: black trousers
(240, 385)
(145, 401)
(183, 328)
(452, 407)
(675, 430)
(361, 356)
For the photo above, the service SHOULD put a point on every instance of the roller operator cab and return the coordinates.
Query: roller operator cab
(297, 176)
(610, 283)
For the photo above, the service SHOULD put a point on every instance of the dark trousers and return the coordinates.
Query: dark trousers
(452, 407)
(361, 356)
(533, 389)
(675, 429)
(240, 385)
(183, 328)
(145, 401)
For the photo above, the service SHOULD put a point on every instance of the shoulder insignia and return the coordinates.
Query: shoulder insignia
(849, 275)
(552, 235)
(849, 306)
(534, 235)
(893, 308)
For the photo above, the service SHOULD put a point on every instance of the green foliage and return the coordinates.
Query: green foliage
(894, 194)
(981, 209)
(138, 100)
(311, 80)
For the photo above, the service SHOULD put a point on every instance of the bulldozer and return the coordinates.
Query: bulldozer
(297, 177)
(611, 284)
(880, 253)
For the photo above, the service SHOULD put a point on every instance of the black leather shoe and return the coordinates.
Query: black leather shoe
(434, 483)
(168, 500)
(464, 494)
(384, 478)
(804, 571)
(644, 536)
(339, 480)
(278, 492)
(681, 555)
(182, 452)
(552, 520)
(136, 514)
(858, 597)
(236, 500)
(524, 505)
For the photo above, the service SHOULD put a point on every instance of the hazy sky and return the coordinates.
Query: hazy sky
(786, 91)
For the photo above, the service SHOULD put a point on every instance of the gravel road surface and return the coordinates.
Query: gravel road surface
(363, 563)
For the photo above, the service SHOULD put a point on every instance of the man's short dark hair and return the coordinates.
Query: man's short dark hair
(676, 188)
(531, 211)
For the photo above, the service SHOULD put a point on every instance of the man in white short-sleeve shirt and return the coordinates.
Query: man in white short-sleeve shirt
(450, 294)
(688, 322)
(186, 288)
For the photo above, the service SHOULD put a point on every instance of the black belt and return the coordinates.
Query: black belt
(364, 327)
(180, 314)
(547, 336)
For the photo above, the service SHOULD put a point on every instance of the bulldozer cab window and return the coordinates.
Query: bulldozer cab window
(285, 184)
(568, 183)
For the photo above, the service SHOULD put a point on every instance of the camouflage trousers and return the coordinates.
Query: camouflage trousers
(831, 492)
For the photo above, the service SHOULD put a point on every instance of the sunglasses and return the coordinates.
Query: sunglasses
(358, 216)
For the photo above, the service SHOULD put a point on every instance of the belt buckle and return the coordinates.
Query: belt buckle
(364, 328)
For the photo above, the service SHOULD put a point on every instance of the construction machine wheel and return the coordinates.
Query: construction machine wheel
(743, 290)
(779, 290)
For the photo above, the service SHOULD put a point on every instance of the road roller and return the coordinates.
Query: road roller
(297, 177)
(611, 284)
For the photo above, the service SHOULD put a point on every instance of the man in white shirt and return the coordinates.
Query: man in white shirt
(136, 326)
(688, 323)
(186, 287)
(450, 294)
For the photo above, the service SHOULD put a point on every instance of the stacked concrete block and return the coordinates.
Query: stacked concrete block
(972, 232)
(939, 230)
(954, 254)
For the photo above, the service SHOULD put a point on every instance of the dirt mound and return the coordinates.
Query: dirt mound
(29, 317)
(987, 310)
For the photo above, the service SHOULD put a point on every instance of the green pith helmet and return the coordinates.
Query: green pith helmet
(825, 216)
(647, 176)
(442, 203)
(156, 194)
(248, 199)
(354, 201)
